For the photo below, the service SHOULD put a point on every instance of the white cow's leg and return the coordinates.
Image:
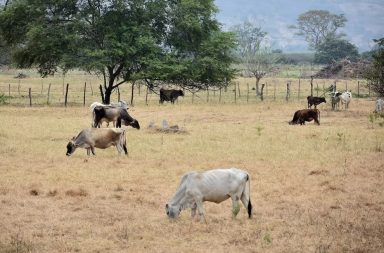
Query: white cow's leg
(93, 150)
(235, 205)
(200, 210)
(193, 210)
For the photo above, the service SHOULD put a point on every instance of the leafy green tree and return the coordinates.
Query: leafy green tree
(122, 40)
(318, 25)
(332, 49)
(375, 74)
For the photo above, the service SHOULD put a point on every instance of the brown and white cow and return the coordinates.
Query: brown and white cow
(301, 116)
(114, 114)
(91, 138)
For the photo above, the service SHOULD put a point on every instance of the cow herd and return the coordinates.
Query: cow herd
(337, 98)
(195, 188)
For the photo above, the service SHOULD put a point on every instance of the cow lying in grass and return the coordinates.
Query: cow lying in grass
(91, 138)
(301, 116)
(214, 186)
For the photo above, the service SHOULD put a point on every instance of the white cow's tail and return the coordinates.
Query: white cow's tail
(124, 142)
(92, 109)
(246, 197)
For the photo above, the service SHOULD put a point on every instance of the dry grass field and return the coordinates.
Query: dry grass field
(313, 188)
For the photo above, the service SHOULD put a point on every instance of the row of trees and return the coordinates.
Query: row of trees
(164, 41)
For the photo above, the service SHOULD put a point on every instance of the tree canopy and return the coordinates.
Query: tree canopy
(318, 25)
(332, 49)
(375, 74)
(123, 40)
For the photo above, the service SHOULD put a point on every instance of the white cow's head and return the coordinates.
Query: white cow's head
(173, 211)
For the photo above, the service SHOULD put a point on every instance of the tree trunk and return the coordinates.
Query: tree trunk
(257, 86)
(107, 95)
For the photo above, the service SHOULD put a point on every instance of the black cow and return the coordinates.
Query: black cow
(301, 116)
(315, 101)
(170, 95)
(115, 114)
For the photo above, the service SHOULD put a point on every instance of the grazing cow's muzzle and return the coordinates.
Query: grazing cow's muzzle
(172, 212)
(70, 149)
(135, 124)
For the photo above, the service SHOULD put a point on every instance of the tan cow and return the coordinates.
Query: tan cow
(91, 138)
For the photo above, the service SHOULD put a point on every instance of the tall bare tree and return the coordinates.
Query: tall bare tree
(252, 51)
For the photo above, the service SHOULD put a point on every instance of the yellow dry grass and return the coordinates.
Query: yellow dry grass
(314, 188)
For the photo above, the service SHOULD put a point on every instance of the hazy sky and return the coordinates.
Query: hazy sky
(365, 18)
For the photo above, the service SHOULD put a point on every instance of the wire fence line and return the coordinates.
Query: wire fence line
(83, 90)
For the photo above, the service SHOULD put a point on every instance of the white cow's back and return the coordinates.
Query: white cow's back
(216, 185)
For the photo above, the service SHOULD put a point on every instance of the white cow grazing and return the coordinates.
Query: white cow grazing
(379, 105)
(214, 186)
(345, 98)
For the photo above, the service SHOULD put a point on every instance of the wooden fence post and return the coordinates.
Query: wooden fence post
(85, 89)
(207, 95)
(288, 92)
(132, 89)
(358, 89)
(146, 96)
(238, 88)
(118, 94)
(235, 94)
(30, 97)
(220, 95)
(298, 93)
(66, 95)
(311, 86)
(49, 90)
(274, 92)
(9, 90)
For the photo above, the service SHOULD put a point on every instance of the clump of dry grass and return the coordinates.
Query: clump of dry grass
(17, 244)
(76, 193)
